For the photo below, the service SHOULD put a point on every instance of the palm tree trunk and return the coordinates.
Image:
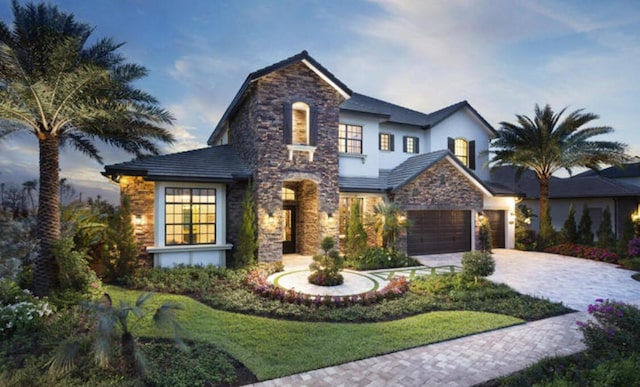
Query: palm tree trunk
(45, 270)
(545, 221)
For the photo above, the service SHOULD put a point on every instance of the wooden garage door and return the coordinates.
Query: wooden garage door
(496, 220)
(433, 232)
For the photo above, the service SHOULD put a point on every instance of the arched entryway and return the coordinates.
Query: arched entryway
(300, 219)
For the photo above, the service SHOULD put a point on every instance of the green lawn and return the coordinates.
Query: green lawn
(272, 348)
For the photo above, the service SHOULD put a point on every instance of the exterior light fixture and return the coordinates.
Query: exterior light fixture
(330, 215)
(137, 220)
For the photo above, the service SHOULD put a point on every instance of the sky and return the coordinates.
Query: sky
(502, 56)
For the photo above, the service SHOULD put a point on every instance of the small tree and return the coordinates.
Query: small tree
(245, 253)
(525, 236)
(585, 235)
(122, 246)
(569, 233)
(606, 239)
(326, 267)
(388, 223)
(478, 264)
(356, 238)
(485, 234)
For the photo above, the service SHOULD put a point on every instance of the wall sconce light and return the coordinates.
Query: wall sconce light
(137, 220)
(402, 218)
(480, 216)
(330, 215)
(270, 218)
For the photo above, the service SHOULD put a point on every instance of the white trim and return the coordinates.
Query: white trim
(183, 248)
(361, 156)
(326, 79)
(301, 148)
(159, 215)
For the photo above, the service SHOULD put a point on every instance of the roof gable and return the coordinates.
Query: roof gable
(302, 57)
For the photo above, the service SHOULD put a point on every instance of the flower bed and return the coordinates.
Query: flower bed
(587, 252)
(257, 281)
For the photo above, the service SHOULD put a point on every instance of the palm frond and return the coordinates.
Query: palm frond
(64, 357)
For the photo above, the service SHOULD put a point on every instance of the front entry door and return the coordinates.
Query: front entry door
(289, 229)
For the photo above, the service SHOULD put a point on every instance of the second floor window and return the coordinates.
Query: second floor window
(385, 142)
(300, 123)
(461, 150)
(350, 138)
(411, 144)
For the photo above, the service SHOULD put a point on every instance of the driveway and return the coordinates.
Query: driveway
(576, 282)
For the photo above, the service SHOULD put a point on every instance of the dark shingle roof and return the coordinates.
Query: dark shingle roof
(627, 170)
(391, 180)
(564, 188)
(211, 164)
(396, 113)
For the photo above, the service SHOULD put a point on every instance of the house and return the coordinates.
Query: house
(311, 147)
(595, 190)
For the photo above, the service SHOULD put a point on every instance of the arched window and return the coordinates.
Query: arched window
(300, 123)
(461, 150)
(288, 194)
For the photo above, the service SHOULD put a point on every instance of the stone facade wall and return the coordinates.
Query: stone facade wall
(257, 133)
(441, 187)
(141, 196)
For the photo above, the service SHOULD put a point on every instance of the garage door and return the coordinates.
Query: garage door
(433, 232)
(496, 220)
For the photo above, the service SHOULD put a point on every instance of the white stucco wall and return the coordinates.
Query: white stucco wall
(464, 124)
(506, 204)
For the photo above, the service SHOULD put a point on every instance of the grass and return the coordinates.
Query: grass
(273, 348)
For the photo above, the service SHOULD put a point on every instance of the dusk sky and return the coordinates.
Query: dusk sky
(503, 56)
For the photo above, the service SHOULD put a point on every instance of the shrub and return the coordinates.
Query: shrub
(485, 234)
(478, 264)
(617, 372)
(20, 311)
(245, 253)
(606, 238)
(585, 235)
(356, 236)
(381, 258)
(326, 267)
(569, 232)
(580, 251)
(76, 279)
(184, 279)
(121, 255)
(615, 331)
(633, 247)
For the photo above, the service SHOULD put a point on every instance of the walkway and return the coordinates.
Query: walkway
(478, 358)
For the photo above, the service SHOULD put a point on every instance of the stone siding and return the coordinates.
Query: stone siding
(257, 134)
(141, 196)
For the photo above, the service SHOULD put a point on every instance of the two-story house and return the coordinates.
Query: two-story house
(311, 147)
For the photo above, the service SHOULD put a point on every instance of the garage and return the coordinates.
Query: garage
(496, 220)
(438, 231)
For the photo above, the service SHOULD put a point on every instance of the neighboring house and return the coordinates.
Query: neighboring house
(311, 147)
(594, 190)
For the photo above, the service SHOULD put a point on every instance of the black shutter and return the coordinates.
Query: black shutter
(313, 129)
(380, 141)
(392, 142)
(472, 155)
(451, 145)
(417, 145)
(404, 144)
(286, 123)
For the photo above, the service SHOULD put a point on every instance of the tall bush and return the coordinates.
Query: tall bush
(485, 234)
(245, 253)
(606, 239)
(525, 236)
(356, 236)
(122, 246)
(389, 223)
(585, 235)
(569, 233)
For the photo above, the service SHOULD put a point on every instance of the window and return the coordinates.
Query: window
(190, 216)
(300, 123)
(464, 150)
(411, 144)
(288, 194)
(461, 150)
(350, 138)
(385, 142)
(345, 211)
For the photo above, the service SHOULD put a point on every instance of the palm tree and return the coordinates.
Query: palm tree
(389, 221)
(545, 145)
(65, 91)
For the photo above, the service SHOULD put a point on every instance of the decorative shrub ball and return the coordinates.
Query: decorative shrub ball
(478, 264)
(322, 278)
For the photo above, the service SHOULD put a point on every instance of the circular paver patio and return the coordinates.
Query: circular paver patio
(354, 283)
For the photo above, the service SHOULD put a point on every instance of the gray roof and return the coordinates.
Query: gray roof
(627, 170)
(391, 180)
(398, 114)
(211, 164)
(563, 188)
